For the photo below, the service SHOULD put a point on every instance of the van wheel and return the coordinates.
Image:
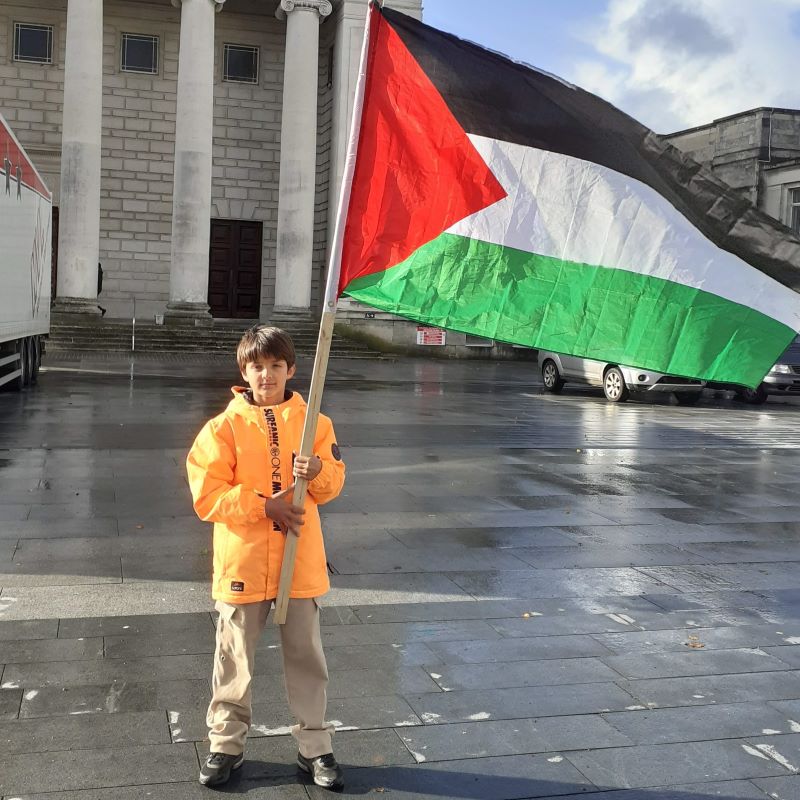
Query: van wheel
(614, 386)
(553, 382)
(687, 398)
(755, 397)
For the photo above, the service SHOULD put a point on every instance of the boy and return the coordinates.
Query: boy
(241, 473)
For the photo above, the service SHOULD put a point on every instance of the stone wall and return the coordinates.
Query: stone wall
(740, 148)
(138, 135)
(139, 138)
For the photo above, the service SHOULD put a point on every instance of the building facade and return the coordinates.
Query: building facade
(194, 147)
(756, 152)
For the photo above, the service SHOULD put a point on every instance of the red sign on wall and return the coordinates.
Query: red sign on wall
(430, 336)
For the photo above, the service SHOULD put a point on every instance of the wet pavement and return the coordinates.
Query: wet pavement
(534, 596)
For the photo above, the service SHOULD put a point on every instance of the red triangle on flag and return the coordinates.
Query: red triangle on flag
(417, 173)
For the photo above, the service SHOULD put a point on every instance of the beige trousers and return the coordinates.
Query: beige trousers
(305, 673)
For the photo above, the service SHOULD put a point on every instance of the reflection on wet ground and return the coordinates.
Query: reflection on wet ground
(533, 596)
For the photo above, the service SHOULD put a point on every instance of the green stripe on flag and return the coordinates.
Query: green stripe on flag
(582, 309)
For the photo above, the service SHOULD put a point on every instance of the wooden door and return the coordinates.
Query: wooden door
(234, 272)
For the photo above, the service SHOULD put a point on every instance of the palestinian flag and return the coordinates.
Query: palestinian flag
(491, 198)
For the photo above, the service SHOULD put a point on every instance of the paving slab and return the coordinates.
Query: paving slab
(789, 655)
(718, 638)
(519, 703)
(528, 649)
(77, 673)
(515, 737)
(380, 656)
(786, 787)
(28, 629)
(373, 748)
(709, 597)
(355, 560)
(136, 625)
(481, 538)
(632, 555)
(556, 583)
(401, 633)
(510, 674)
(115, 599)
(101, 527)
(692, 724)
(102, 767)
(261, 788)
(707, 689)
(47, 573)
(783, 748)
(358, 683)
(538, 623)
(692, 661)
(10, 700)
(499, 778)
(115, 697)
(661, 765)
(350, 713)
(26, 651)
(161, 644)
(438, 612)
(83, 732)
(706, 790)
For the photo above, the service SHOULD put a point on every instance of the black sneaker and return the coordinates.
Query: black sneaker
(218, 767)
(324, 770)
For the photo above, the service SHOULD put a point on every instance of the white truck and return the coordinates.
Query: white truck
(26, 212)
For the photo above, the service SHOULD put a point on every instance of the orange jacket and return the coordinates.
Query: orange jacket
(241, 457)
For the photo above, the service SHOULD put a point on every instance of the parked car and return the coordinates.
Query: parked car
(783, 378)
(616, 380)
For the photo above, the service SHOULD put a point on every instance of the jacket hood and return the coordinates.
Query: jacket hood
(242, 403)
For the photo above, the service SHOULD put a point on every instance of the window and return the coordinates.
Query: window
(240, 63)
(139, 53)
(478, 341)
(794, 210)
(33, 43)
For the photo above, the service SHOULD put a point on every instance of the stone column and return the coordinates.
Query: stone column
(79, 202)
(191, 193)
(297, 186)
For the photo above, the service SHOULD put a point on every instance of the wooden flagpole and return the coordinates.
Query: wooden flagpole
(325, 329)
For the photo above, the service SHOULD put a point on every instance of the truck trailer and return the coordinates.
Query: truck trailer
(26, 216)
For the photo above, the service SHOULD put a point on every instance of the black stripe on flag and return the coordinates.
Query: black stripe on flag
(490, 95)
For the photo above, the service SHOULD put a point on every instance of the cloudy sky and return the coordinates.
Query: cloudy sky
(672, 64)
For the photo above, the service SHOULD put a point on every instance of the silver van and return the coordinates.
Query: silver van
(616, 380)
(783, 378)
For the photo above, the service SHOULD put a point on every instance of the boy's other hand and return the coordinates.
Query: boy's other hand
(307, 467)
(280, 509)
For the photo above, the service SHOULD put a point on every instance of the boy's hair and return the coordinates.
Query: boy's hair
(264, 340)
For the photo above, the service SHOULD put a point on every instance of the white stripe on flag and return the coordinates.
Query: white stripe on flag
(567, 208)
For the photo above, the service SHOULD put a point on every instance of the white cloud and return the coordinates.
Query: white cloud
(674, 63)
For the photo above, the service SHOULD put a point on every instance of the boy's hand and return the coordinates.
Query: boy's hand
(307, 467)
(280, 509)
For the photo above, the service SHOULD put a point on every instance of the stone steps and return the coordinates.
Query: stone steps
(222, 337)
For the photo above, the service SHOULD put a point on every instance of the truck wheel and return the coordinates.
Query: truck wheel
(27, 357)
(614, 386)
(553, 382)
(36, 349)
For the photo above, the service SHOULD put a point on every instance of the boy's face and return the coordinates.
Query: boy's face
(267, 377)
